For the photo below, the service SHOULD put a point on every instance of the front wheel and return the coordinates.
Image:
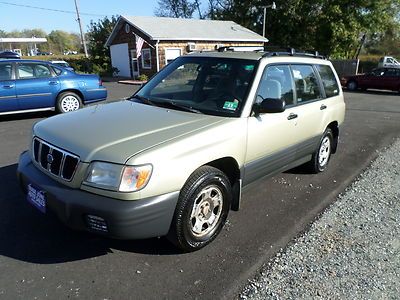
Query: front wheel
(202, 209)
(321, 156)
(68, 101)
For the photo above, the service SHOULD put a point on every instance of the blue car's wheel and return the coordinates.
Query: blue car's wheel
(68, 101)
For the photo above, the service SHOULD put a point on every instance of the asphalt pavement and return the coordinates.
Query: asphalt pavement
(40, 257)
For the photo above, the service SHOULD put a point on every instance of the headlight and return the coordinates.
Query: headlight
(104, 175)
(135, 178)
(118, 177)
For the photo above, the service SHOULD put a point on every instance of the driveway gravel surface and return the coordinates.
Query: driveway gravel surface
(352, 250)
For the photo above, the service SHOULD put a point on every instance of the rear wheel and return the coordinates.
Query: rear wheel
(320, 158)
(68, 101)
(202, 209)
(352, 85)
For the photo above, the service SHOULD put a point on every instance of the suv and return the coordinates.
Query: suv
(173, 158)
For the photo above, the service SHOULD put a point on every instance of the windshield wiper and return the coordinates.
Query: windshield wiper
(143, 99)
(180, 106)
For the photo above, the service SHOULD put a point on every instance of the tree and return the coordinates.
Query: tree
(333, 27)
(177, 8)
(98, 33)
(59, 41)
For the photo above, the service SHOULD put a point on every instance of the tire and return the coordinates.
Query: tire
(68, 101)
(320, 158)
(202, 209)
(352, 85)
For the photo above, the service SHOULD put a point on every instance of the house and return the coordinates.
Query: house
(160, 40)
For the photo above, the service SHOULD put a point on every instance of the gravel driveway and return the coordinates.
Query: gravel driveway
(351, 252)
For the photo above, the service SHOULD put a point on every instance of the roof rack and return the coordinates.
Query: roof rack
(236, 48)
(274, 51)
(293, 52)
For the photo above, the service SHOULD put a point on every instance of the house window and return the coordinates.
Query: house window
(146, 59)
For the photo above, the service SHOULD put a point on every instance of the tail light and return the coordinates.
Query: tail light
(100, 82)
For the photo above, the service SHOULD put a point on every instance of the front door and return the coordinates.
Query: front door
(272, 137)
(134, 64)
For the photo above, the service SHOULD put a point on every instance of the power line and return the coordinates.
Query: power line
(50, 9)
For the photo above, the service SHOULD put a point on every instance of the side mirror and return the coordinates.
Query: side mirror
(269, 106)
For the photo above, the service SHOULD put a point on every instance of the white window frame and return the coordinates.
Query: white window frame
(143, 51)
(165, 53)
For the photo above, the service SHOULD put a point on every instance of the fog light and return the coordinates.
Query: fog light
(96, 223)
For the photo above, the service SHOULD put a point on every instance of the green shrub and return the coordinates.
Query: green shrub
(143, 77)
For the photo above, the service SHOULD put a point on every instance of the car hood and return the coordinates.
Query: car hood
(116, 131)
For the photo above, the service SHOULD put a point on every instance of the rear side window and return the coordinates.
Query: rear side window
(57, 71)
(276, 83)
(328, 80)
(307, 87)
(30, 70)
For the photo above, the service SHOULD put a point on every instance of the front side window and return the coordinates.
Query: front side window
(146, 59)
(5, 71)
(307, 88)
(378, 72)
(276, 83)
(328, 80)
(216, 86)
(29, 70)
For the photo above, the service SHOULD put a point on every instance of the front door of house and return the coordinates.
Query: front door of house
(134, 64)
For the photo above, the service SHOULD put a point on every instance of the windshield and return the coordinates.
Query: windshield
(215, 86)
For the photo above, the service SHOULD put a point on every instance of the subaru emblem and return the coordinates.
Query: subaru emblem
(50, 158)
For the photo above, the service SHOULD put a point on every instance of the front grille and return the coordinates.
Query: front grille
(54, 160)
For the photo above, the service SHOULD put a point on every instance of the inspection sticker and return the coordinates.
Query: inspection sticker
(231, 105)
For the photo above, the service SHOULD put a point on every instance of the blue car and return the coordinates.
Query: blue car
(32, 85)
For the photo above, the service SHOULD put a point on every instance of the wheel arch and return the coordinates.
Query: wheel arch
(78, 92)
(334, 126)
(230, 167)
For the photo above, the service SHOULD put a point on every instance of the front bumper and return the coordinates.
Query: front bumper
(136, 219)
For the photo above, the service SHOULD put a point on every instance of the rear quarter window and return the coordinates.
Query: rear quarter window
(328, 80)
(57, 70)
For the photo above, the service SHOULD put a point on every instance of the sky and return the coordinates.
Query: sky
(17, 18)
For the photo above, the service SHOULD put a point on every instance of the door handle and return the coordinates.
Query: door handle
(53, 82)
(323, 106)
(292, 116)
(8, 86)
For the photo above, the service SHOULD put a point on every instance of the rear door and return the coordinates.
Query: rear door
(36, 85)
(310, 109)
(8, 98)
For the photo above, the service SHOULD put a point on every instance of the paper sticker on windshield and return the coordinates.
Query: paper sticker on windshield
(249, 67)
(231, 105)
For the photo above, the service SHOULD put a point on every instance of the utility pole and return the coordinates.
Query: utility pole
(80, 28)
(272, 6)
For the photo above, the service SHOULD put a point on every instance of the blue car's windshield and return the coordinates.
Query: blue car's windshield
(216, 86)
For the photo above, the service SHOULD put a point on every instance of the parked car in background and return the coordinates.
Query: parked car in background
(380, 79)
(9, 55)
(172, 159)
(31, 85)
(62, 63)
(388, 61)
